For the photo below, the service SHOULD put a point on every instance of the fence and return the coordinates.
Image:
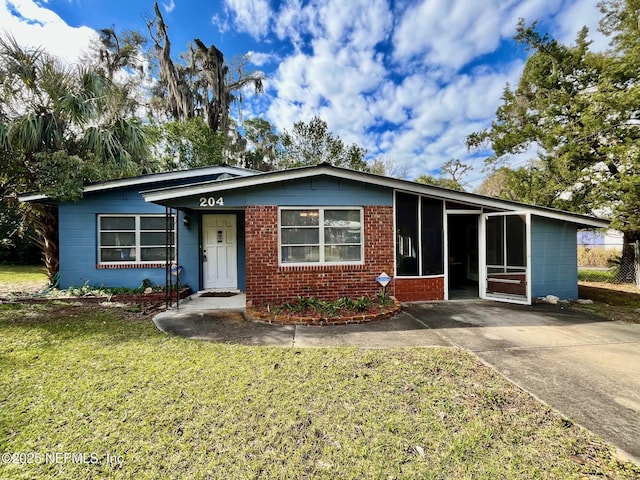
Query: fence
(609, 263)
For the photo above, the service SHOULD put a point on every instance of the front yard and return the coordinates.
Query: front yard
(98, 392)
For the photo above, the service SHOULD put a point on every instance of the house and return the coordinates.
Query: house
(318, 231)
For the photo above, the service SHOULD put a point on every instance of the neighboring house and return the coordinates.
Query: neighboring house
(318, 231)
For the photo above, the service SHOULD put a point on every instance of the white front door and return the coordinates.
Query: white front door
(220, 268)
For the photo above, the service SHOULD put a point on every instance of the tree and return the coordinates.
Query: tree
(575, 106)
(454, 169)
(523, 184)
(439, 182)
(262, 144)
(180, 145)
(388, 167)
(118, 52)
(204, 85)
(59, 128)
(312, 143)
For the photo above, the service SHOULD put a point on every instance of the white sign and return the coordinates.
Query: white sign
(383, 279)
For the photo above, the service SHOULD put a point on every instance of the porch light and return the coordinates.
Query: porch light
(186, 221)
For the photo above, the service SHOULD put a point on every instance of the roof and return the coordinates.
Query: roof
(167, 194)
(150, 179)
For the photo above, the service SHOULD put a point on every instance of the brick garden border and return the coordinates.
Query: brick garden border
(273, 319)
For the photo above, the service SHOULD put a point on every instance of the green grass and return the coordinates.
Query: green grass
(16, 278)
(606, 276)
(84, 379)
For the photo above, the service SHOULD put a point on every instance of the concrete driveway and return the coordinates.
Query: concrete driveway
(585, 367)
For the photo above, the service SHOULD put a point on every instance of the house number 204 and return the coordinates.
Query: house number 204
(211, 202)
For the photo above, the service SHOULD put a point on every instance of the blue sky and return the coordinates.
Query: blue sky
(406, 79)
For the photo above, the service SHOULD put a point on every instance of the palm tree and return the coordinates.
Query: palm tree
(60, 126)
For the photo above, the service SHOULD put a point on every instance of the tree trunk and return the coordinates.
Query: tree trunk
(44, 219)
(629, 260)
(179, 99)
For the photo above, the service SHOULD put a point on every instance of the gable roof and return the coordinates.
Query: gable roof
(164, 195)
(218, 171)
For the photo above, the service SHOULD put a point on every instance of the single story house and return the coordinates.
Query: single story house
(318, 231)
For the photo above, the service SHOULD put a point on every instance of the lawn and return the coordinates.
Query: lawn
(22, 278)
(615, 302)
(98, 381)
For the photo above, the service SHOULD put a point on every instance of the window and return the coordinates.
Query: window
(321, 235)
(133, 238)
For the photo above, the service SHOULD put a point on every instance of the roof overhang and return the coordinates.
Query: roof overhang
(151, 179)
(170, 194)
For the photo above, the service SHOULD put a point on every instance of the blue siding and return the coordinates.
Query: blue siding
(322, 191)
(78, 242)
(554, 264)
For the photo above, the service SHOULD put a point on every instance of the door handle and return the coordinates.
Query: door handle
(204, 255)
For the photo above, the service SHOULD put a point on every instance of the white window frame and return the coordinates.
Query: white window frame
(137, 232)
(321, 244)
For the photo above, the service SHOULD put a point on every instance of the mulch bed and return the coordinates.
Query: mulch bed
(259, 315)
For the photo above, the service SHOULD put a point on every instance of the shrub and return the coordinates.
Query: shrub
(596, 256)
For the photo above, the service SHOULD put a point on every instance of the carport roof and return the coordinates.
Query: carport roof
(167, 195)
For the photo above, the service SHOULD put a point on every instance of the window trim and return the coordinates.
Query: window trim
(137, 234)
(321, 241)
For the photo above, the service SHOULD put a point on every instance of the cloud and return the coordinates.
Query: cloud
(221, 22)
(452, 33)
(34, 26)
(250, 16)
(573, 17)
(343, 73)
(260, 58)
(169, 7)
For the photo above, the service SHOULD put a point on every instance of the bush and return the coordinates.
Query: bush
(600, 257)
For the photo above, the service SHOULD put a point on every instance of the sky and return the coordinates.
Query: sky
(406, 79)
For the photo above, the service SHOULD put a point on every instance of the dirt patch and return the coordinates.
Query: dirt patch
(22, 288)
(620, 287)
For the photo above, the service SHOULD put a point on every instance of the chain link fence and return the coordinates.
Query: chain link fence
(609, 263)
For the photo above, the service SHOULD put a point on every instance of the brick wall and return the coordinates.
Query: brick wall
(267, 282)
(419, 289)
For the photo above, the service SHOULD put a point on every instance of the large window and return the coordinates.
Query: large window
(133, 238)
(321, 235)
(419, 235)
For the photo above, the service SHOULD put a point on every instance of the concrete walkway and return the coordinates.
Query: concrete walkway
(585, 367)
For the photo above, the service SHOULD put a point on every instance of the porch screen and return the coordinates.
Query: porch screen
(419, 235)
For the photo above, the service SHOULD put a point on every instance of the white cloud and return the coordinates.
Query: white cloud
(35, 26)
(576, 15)
(169, 7)
(260, 58)
(251, 16)
(343, 69)
(221, 22)
(451, 33)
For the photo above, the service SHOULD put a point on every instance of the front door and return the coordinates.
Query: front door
(219, 257)
(507, 260)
